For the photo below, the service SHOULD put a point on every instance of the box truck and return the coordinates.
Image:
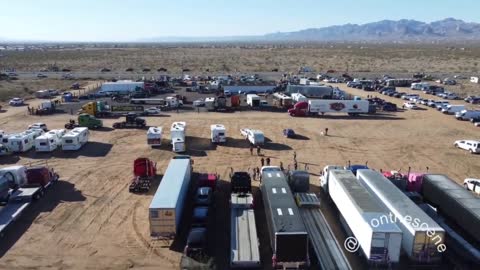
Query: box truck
(288, 235)
(379, 242)
(422, 236)
(167, 205)
(322, 106)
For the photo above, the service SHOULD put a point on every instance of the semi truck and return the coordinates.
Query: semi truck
(167, 205)
(420, 243)
(322, 106)
(244, 243)
(144, 171)
(380, 242)
(288, 235)
(85, 120)
(460, 206)
(96, 108)
(131, 121)
(19, 188)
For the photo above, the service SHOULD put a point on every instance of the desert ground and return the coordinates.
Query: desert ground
(89, 220)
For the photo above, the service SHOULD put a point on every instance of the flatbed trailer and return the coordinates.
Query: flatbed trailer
(326, 247)
(244, 244)
(19, 201)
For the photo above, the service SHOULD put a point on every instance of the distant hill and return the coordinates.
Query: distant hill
(403, 30)
(447, 30)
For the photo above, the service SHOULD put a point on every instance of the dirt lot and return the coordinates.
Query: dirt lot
(91, 221)
(26, 88)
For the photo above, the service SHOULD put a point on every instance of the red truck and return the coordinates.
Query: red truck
(144, 170)
(208, 180)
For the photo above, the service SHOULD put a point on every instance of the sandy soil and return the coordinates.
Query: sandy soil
(90, 220)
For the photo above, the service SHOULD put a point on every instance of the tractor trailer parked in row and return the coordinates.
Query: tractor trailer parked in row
(322, 106)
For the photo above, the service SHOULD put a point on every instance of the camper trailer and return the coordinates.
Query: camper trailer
(218, 133)
(49, 141)
(75, 139)
(21, 142)
(177, 134)
(154, 136)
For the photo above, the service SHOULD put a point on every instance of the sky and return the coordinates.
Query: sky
(134, 20)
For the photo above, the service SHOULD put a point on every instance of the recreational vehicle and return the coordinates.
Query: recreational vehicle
(154, 136)
(21, 142)
(75, 139)
(177, 134)
(49, 141)
(217, 133)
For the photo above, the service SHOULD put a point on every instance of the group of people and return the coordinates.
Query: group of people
(258, 150)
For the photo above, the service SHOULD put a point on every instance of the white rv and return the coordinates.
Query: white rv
(255, 137)
(177, 134)
(218, 133)
(75, 139)
(49, 141)
(253, 100)
(36, 132)
(210, 103)
(21, 142)
(154, 136)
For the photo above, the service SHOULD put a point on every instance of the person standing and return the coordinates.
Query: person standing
(281, 166)
(295, 165)
(251, 150)
(258, 150)
(326, 131)
(262, 161)
(268, 161)
(294, 156)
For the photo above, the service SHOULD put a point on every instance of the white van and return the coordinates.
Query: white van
(419, 86)
(467, 114)
(154, 136)
(218, 133)
(75, 139)
(21, 142)
(453, 109)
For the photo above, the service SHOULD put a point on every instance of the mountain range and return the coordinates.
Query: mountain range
(447, 30)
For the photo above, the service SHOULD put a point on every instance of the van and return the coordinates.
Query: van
(467, 114)
(453, 109)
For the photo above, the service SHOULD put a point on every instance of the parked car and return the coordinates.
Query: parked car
(16, 102)
(472, 184)
(12, 74)
(199, 103)
(196, 242)
(389, 107)
(264, 103)
(152, 111)
(42, 126)
(105, 70)
(40, 75)
(410, 105)
(399, 94)
(470, 145)
(204, 196)
(439, 104)
(449, 82)
(289, 133)
(450, 96)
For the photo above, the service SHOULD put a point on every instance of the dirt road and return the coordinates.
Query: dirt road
(91, 221)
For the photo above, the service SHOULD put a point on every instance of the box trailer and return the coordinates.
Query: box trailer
(255, 137)
(119, 87)
(322, 106)
(244, 244)
(456, 203)
(422, 236)
(167, 205)
(329, 252)
(253, 100)
(380, 243)
(288, 235)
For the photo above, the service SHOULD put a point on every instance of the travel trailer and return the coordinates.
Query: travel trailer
(49, 141)
(21, 142)
(177, 134)
(218, 133)
(154, 136)
(75, 139)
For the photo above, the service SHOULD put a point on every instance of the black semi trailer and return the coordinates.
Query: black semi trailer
(288, 235)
